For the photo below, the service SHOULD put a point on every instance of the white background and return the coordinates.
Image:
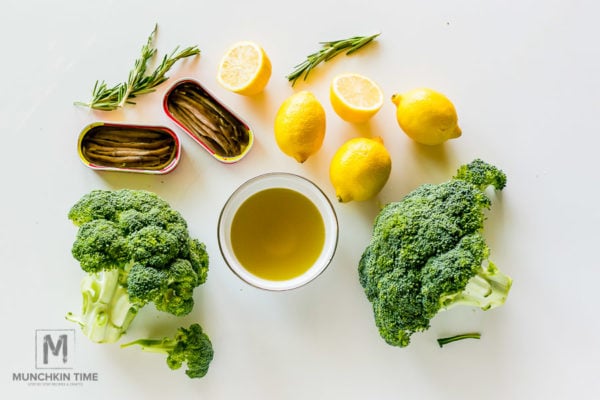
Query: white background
(525, 80)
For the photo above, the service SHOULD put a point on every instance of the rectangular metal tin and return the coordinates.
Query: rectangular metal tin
(97, 125)
(196, 138)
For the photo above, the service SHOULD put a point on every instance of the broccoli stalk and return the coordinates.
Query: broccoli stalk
(444, 341)
(487, 289)
(107, 311)
(135, 250)
(190, 346)
(427, 254)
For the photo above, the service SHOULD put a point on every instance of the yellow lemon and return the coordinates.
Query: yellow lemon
(355, 98)
(300, 125)
(360, 169)
(426, 116)
(244, 69)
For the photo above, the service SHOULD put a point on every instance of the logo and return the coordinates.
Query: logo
(54, 361)
(54, 349)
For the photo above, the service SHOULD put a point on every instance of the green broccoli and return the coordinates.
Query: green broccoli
(136, 250)
(190, 346)
(427, 254)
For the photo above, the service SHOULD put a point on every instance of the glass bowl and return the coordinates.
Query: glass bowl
(278, 180)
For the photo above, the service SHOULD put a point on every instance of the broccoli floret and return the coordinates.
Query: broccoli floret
(136, 250)
(427, 254)
(170, 290)
(199, 259)
(190, 346)
(99, 245)
(98, 204)
(481, 174)
(153, 246)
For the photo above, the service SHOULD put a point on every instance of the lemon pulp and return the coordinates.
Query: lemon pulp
(355, 98)
(245, 69)
(277, 234)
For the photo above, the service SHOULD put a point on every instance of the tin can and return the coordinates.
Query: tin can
(148, 149)
(207, 121)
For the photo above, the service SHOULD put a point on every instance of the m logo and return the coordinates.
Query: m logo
(54, 348)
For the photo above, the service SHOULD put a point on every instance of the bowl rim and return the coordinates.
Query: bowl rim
(301, 185)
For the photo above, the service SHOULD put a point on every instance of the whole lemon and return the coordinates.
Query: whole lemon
(300, 126)
(426, 116)
(359, 169)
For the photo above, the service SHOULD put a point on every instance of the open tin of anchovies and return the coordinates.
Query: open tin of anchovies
(145, 149)
(206, 120)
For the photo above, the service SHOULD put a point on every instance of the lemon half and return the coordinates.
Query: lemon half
(244, 69)
(426, 116)
(355, 98)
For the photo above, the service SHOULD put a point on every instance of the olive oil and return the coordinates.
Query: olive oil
(277, 234)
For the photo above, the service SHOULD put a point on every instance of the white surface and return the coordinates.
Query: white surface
(524, 78)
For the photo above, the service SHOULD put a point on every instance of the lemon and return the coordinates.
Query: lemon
(245, 68)
(426, 116)
(359, 169)
(300, 125)
(355, 98)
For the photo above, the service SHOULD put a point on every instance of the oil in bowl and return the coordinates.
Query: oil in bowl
(278, 231)
(277, 234)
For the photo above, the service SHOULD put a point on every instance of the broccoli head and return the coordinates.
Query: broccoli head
(190, 346)
(136, 250)
(427, 254)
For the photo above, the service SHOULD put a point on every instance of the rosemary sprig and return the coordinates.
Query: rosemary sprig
(444, 341)
(139, 81)
(327, 52)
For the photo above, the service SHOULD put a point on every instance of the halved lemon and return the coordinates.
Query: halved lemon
(245, 68)
(355, 98)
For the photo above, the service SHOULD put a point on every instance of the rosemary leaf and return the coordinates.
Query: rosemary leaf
(139, 80)
(327, 52)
